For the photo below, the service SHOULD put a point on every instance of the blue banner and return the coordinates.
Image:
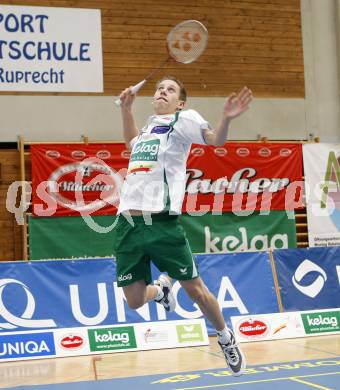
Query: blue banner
(26, 345)
(309, 278)
(75, 293)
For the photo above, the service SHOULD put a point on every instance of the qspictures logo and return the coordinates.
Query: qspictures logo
(321, 322)
(188, 333)
(109, 339)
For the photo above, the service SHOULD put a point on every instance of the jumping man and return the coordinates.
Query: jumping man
(151, 201)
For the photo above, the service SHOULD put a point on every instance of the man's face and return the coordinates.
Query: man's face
(166, 98)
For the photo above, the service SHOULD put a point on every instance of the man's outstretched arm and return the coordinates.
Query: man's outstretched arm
(234, 106)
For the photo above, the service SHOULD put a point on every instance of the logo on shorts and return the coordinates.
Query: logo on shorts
(183, 271)
(122, 278)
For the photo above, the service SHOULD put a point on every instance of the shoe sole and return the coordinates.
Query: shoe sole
(243, 366)
(243, 363)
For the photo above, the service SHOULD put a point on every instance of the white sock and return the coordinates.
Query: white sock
(160, 293)
(223, 336)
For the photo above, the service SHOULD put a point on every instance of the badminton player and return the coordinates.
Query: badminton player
(151, 201)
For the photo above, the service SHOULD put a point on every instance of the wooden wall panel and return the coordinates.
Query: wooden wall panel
(252, 42)
(10, 237)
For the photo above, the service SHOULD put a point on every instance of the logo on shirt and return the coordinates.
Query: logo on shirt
(147, 151)
(160, 129)
(144, 156)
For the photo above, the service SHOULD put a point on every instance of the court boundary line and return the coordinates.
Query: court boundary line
(258, 381)
(310, 384)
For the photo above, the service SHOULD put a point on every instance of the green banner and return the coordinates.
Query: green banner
(112, 338)
(70, 237)
(234, 233)
(187, 333)
(321, 322)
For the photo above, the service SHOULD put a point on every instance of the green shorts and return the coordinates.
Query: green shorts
(163, 242)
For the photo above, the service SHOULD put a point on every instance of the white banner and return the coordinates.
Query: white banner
(322, 180)
(50, 49)
(98, 339)
(286, 325)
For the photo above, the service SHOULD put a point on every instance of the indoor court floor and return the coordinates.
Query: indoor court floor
(302, 363)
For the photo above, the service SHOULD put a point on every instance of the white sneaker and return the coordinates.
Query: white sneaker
(234, 356)
(168, 300)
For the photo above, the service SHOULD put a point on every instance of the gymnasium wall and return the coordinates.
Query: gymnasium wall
(255, 42)
(287, 51)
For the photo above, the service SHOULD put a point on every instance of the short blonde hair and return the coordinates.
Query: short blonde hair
(182, 90)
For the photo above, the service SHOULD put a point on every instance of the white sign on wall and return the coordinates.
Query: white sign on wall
(50, 49)
(322, 181)
(40, 344)
(287, 325)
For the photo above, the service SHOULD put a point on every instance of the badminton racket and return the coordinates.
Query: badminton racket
(185, 43)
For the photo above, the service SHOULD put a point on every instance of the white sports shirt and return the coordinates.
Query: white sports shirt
(158, 161)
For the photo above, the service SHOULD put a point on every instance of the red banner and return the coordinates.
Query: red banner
(244, 176)
(77, 179)
(86, 179)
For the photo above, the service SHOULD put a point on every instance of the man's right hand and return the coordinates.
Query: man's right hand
(126, 99)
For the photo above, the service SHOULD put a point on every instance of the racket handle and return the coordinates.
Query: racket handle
(134, 90)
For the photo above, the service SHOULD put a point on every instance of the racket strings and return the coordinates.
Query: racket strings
(187, 41)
